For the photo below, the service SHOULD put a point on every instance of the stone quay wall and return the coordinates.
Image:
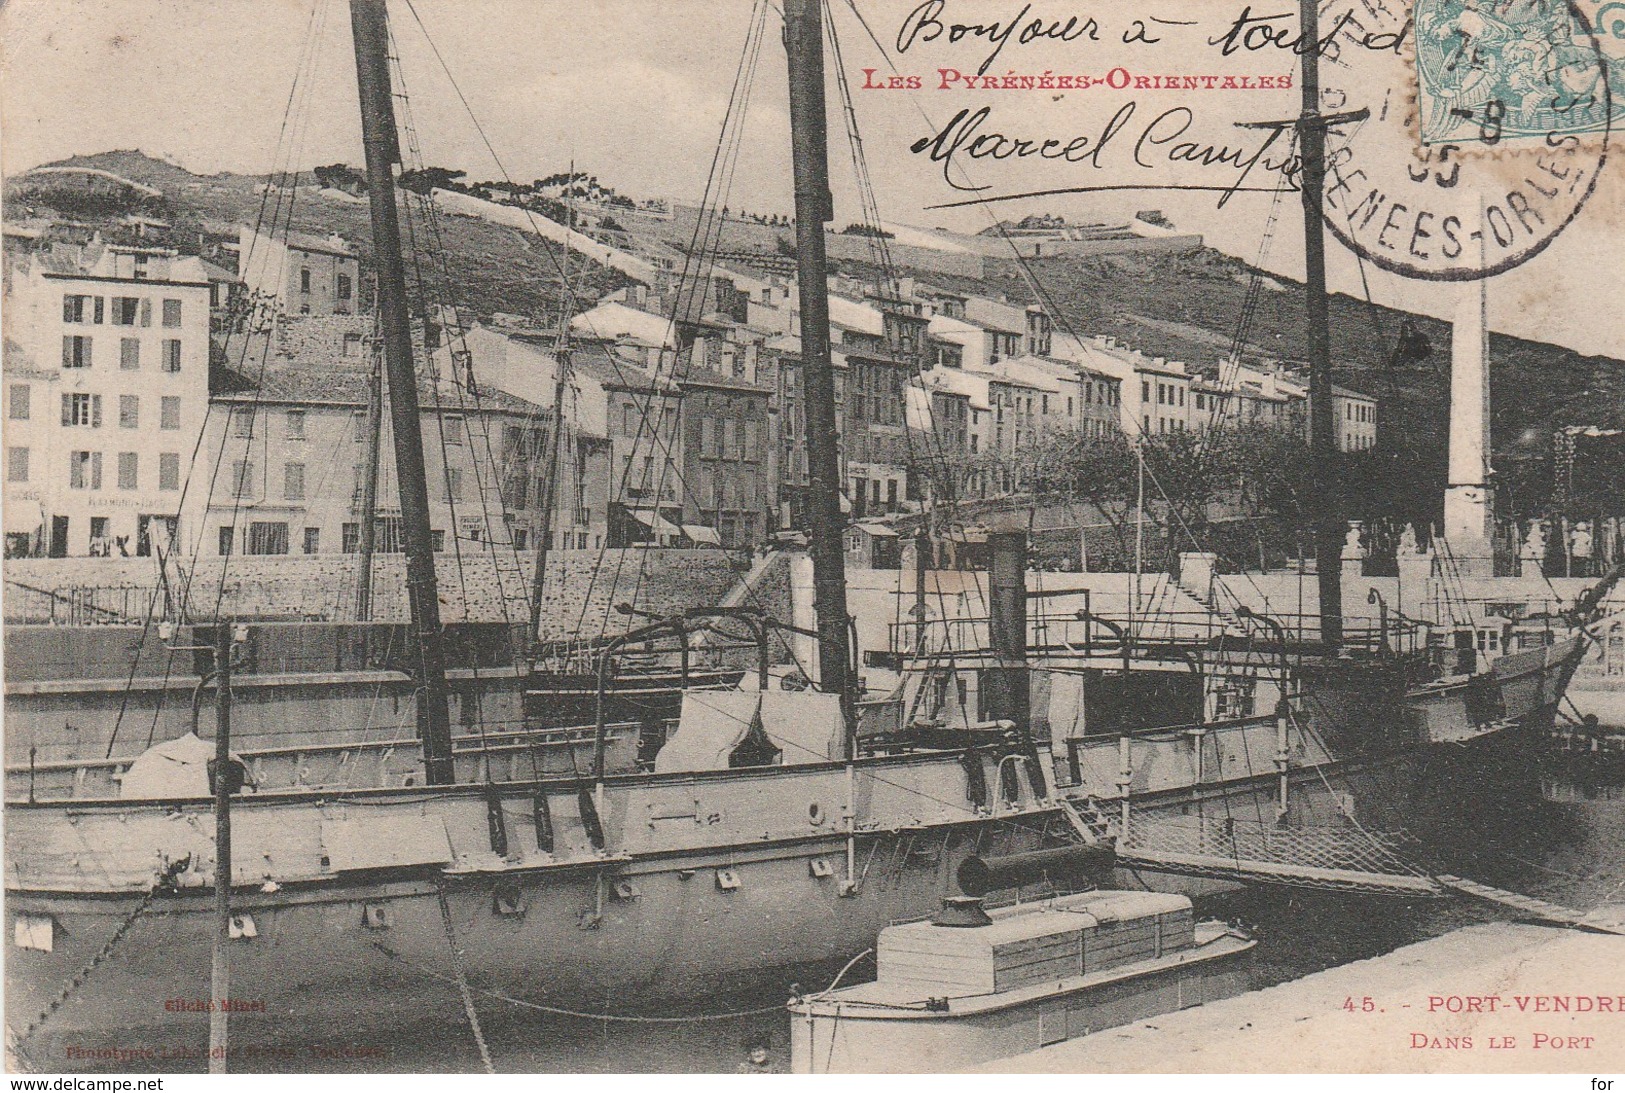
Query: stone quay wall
(579, 594)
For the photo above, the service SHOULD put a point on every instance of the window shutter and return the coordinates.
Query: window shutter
(95, 411)
(95, 470)
(101, 302)
(146, 312)
(67, 409)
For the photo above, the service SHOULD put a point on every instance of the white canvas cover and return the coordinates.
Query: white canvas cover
(174, 768)
(709, 727)
(805, 725)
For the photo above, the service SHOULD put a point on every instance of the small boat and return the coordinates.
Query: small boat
(970, 987)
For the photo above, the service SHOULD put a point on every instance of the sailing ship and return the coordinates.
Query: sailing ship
(649, 884)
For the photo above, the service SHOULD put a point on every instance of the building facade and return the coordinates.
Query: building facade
(106, 387)
(726, 452)
(307, 274)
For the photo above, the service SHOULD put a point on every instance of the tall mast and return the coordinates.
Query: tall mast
(809, 149)
(550, 491)
(369, 486)
(561, 378)
(369, 23)
(1323, 422)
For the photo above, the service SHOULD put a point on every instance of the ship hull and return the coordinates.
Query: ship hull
(1519, 691)
(324, 973)
(334, 967)
(710, 881)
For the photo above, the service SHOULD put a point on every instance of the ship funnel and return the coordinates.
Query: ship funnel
(1005, 687)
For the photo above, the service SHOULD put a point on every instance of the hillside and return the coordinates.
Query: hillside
(491, 268)
(1183, 306)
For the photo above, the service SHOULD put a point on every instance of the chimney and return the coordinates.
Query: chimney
(1004, 686)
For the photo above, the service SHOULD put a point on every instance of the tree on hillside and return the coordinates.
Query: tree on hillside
(425, 179)
(341, 176)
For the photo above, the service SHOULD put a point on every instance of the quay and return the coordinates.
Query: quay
(1494, 998)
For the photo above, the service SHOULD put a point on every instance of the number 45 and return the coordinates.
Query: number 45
(1363, 1005)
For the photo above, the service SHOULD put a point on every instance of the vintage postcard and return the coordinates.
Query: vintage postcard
(817, 536)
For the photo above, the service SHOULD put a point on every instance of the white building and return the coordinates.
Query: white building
(308, 274)
(106, 389)
(1155, 394)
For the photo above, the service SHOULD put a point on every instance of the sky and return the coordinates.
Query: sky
(635, 92)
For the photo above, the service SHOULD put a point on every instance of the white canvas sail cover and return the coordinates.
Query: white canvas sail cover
(709, 727)
(174, 768)
(805, 725)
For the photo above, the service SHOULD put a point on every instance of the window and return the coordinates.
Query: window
(358, 422)
(82, 309)
(18, 394)
(437, 541)
(225, 541)
(169, 412)
(172, 354)
(454, 484)
(352, 345)
(242, 421)
(313, 540)
(242, 477)
(304, 281)
(344, 287)
(293, 482)
(126, 310)
(266, 537)
(16, 464)
(75, 351)
(296, 424)
(128, 470)
(85, 470)
(129, 354)
(172, 313)
(81, 409)
(453, 429)
(169, 471)
(129, 412)
(350, 538)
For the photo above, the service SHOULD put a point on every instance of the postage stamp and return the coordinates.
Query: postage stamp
(1509, 73)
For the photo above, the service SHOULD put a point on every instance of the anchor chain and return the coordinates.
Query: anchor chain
(106, 951)
(462, 980)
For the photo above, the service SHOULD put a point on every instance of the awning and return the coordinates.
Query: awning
(880, 530)
(655, 522)
(699, 533)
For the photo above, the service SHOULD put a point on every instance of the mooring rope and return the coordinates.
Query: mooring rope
(628, 1018)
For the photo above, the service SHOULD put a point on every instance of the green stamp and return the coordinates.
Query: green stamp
(1516, 72)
